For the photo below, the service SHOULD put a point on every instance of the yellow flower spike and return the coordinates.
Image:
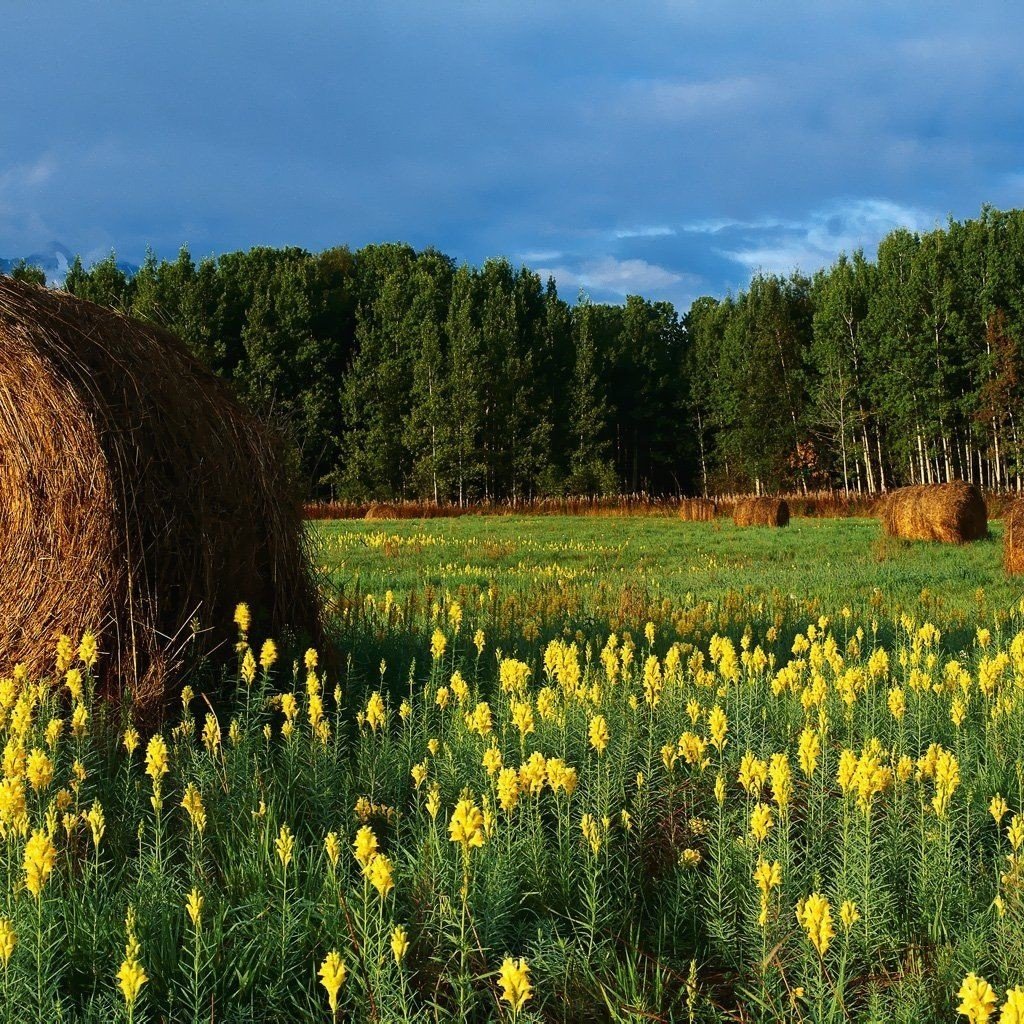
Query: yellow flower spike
(376, 713)
(514, 979)
(815, 916)
(65, 653)
(467, 825)
(243, 618)
(39, 770)
(365, 846)
(332, 847)
(434, 800)
(8, 940)
(752, 774)
(192, 803)
(492, 760)
(598, 734)
(156, 758)
(522, 717)
(1013, 1007)
(40, 856)
(333, 973)
(248, 667)
(130, 979)
(480, 720)
(79, 720)
(720, 790)
(849, 914)
(211, 734)
(97, 823)
(1015, 832)
(285, 846)
(508, 788)
(438, 645)
(194, 908)
(591, 833)
(131, 740)
(379, 872)
(88, 649)
(998, 808)
(54, 728)
(399, 943)
(781, 779)
(718, 724)
(268, 655)
(767, 875)
(977, 999)
(947, 779)
(761, 822)
(533, 774)
(459, 687)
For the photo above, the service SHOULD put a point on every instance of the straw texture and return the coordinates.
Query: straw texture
(136, 498)
(761, 512)
(953, 513)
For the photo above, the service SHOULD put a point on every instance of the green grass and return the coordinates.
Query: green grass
(836, 561)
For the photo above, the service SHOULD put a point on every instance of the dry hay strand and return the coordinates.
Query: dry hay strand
(1013, 538)
(135, 497)
(697, 510)
(761, 512)
(953, 513)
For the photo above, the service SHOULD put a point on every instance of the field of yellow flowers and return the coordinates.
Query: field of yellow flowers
(528, 796)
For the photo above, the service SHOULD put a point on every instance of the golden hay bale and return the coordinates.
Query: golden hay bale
(697, 510)
(381, 511)
(1013, 538)
(761, 512)
(135, 496)
(953, 513)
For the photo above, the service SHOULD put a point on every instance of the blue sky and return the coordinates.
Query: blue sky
(666, 149)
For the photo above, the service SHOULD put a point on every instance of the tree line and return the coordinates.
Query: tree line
(402, 374)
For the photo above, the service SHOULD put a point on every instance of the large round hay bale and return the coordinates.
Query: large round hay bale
(697, 510)
(761, 512)
(1013, 538)
(953, 513)
(380, 510)
(135, 497)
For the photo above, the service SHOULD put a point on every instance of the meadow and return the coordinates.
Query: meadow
(546, 769)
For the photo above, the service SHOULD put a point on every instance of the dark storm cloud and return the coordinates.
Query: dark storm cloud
(668, 149)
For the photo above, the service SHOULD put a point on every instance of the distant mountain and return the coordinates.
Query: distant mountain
(55, 263)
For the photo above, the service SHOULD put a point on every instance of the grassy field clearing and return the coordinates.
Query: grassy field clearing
(812, 566)
(548, 770)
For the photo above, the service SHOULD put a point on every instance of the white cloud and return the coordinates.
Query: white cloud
(619, 277)
(778, 245)
(653, 231)
(541, 255)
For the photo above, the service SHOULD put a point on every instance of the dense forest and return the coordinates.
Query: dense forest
(401, 374)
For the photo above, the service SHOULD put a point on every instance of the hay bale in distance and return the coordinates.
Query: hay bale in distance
(697, 510)
(953, 513)
(1013, 538)
(379, 510)
(761, 512)
(135, 497)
